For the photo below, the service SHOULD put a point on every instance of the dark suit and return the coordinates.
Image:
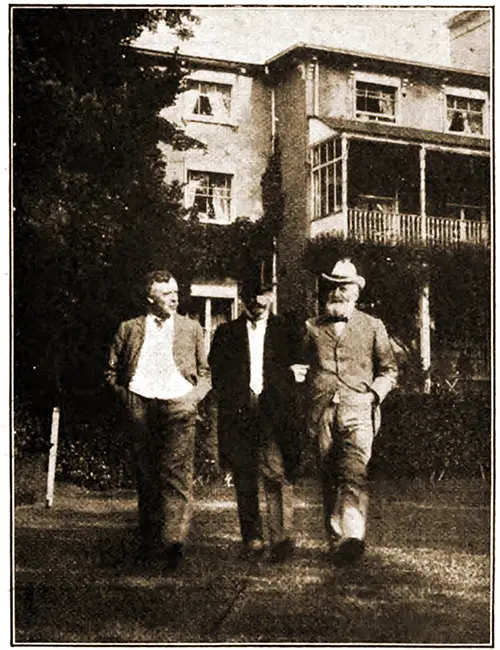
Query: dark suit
(163, 431)
(350, 375)
(257, 435)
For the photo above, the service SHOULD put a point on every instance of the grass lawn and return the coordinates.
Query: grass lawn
(425, 578)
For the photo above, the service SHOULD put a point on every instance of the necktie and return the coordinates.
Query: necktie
(161, 321)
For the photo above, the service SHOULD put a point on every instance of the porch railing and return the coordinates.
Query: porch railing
(394, 228)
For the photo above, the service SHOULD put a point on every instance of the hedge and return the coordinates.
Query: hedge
(446, 433)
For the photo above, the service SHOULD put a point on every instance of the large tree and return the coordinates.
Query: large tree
(90, 202)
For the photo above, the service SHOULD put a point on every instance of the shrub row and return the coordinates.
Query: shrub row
(432, 435)
(445, 433)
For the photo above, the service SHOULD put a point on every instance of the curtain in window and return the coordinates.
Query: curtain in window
(220, 204)
(219, 104)
(191, 191)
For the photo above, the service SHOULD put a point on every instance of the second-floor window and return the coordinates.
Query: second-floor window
(375, 102)
(209, 194)
(465, 115)
(210, 101)
(327, 178)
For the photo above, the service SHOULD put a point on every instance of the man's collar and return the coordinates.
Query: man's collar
(159, 321)
(254, 322)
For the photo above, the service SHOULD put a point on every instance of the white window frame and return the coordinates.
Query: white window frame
(466, 93)
(378, 80)
(191, 191)
(208, 292)
(330, 168)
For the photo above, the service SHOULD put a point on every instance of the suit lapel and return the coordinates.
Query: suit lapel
(242, 344)
(350, 326)
(137, 338)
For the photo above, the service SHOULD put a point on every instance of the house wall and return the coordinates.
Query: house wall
(421, 104)
(470, 41)
(240, 147)
(295, 285)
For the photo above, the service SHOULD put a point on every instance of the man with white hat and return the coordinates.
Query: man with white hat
(352, 369)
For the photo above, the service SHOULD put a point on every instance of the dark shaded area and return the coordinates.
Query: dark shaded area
(432, 435)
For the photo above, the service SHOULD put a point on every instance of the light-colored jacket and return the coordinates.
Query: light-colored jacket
(352, 367)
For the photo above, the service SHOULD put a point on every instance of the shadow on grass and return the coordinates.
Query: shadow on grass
(76, 581)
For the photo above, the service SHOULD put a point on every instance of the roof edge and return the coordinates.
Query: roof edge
(324, 49)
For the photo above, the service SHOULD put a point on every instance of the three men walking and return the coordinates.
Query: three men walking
(159, 371)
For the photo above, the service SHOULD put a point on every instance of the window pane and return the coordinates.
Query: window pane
(212, 99)
(456, 121)
(378, 102)
(210, 194)
(476, 124)
(476, 105)
(338, 185)
(322, 155)
(466, 116)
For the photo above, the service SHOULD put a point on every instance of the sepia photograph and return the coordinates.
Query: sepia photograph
(252, 325)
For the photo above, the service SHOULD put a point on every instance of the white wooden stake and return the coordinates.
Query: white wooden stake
(425, 336)
(54, 433)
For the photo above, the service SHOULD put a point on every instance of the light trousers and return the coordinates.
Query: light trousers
(345, 438)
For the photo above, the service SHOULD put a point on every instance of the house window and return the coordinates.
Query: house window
(465, 115)
(327, 178)
(209, 194)
(211, 101)
(375, 102)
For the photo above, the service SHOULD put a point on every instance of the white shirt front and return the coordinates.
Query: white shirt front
(256, 333)
(156, 375)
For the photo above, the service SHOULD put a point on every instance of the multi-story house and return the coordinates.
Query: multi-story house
(373, 149)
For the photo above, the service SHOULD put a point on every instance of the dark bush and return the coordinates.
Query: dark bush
(446, 432)
(427, 436)
(31, 444)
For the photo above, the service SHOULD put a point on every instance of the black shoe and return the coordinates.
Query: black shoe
(174, 554)
(349, 551)
(282, 551)
(252, 548)
(148, 554)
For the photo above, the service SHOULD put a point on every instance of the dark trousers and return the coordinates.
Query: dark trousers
(259, 457)
(163, 445)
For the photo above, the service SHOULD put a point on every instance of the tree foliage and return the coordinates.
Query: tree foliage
(90, 203)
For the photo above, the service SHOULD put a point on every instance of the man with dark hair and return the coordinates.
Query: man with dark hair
(352, 369)
(159, 372)
(250, 359)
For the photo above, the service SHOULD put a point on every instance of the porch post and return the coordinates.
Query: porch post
(423, 213)
(425, 335)
(275, 276)
(344, 148)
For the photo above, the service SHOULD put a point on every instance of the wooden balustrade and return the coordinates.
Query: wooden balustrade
(394, 228)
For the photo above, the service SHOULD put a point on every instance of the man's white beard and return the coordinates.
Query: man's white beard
(343, 309)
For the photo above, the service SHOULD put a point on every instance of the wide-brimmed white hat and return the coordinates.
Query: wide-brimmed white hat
(344, 272)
